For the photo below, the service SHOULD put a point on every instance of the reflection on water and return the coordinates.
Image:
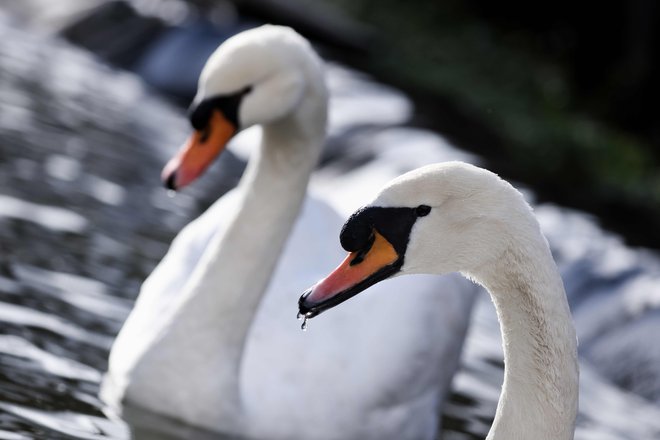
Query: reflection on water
(83, 220)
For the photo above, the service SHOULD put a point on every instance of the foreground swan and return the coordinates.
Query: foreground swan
(456, 217)
(211, 341)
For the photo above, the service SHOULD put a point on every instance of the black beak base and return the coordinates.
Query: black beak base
(395, 224)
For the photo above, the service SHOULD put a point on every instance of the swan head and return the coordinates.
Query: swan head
(441, 218)
(259, 76)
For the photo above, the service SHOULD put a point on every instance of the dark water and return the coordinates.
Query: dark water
(83, 220)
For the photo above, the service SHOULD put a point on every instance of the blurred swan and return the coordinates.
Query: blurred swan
(212, 340)
(456, 217)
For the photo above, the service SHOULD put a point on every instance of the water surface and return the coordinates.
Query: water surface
(83, 220)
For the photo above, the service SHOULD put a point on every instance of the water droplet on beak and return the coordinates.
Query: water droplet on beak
(171, 193)
(304, 318)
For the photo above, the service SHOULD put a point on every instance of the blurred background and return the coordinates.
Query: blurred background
(558, 97)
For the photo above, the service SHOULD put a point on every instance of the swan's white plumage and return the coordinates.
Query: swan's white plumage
(481, 226)
(375, 369)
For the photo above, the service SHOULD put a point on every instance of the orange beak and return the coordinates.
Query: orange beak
(198, 152)
(357, 272)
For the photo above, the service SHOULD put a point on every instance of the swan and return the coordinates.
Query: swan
(455, 217)
(210, 340)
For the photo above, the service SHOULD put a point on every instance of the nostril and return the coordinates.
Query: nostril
(362, 253)
(170, 181)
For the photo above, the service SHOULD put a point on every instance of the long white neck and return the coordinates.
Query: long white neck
(540, 391)
(217, 308)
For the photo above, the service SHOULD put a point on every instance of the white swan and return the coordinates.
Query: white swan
(212, 342)
(456, 217)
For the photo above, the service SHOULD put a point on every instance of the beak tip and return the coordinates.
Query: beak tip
(302, 307)
(305, 308)
(169, 181)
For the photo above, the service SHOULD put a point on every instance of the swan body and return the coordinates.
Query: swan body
(455, 217)
(212, 340)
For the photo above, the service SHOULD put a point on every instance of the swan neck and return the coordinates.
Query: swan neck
(271, 192)
(221, 298)
(540, 390)
(285, 159)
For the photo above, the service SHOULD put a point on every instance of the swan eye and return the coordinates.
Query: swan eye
(423, 210)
